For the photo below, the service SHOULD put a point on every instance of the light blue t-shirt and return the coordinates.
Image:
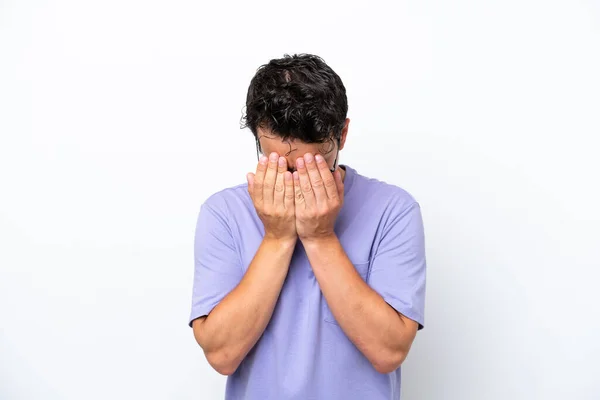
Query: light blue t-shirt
(303, 353)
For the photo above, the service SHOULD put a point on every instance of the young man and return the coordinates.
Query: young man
(309, 284)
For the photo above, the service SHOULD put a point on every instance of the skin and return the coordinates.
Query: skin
(302, 205)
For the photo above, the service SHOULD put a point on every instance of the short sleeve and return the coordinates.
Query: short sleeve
(217, 269)
(398, 266)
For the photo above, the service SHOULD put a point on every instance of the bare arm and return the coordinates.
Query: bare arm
(382, 334)
(234, 326)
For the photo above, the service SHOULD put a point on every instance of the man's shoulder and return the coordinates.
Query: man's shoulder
(382, 193)
(229, 199)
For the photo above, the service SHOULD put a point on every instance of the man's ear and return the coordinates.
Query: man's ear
(344, 133)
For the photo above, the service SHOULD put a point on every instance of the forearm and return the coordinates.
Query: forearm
(234, 326)
(374, 327)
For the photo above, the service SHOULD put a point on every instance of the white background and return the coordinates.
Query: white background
(118, 118)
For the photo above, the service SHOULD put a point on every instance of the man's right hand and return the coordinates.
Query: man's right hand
(272, 192)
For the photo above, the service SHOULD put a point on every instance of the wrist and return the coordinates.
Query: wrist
(280, 242)
(317, 241)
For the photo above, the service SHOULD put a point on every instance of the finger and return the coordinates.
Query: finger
(279, 183)
(305, 186)
(298, 196)
(250, 179)
(289, 190)
(270, 176)
(339, 182)
(259, 178)
(316, 181)
(328, 180)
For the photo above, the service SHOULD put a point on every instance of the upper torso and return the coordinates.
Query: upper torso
(303, 353)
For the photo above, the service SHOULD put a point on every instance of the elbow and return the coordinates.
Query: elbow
(225, 370)
(222, 362)
(220, 359)
(390, 362)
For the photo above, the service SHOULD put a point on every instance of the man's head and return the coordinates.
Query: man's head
(296, 105)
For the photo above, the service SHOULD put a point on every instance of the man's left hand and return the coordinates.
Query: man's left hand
(319, 196)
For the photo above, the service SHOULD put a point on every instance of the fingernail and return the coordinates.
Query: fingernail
(308, 157)
(273, 157)
(288, 177)
(319, 158)
(296, 175)
(300, 162)
(282, 162)
(263, 159)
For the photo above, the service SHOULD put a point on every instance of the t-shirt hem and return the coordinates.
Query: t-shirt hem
(407, 312)
(198, 312)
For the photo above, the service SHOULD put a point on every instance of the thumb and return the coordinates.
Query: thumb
(250, 179)
(339, 183)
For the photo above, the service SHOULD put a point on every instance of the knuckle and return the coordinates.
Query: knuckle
(268, 211)
(307, 188)
(317, 183)
(329, 183)
(279, 188)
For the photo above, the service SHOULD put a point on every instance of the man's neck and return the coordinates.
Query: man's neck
(343, 171)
